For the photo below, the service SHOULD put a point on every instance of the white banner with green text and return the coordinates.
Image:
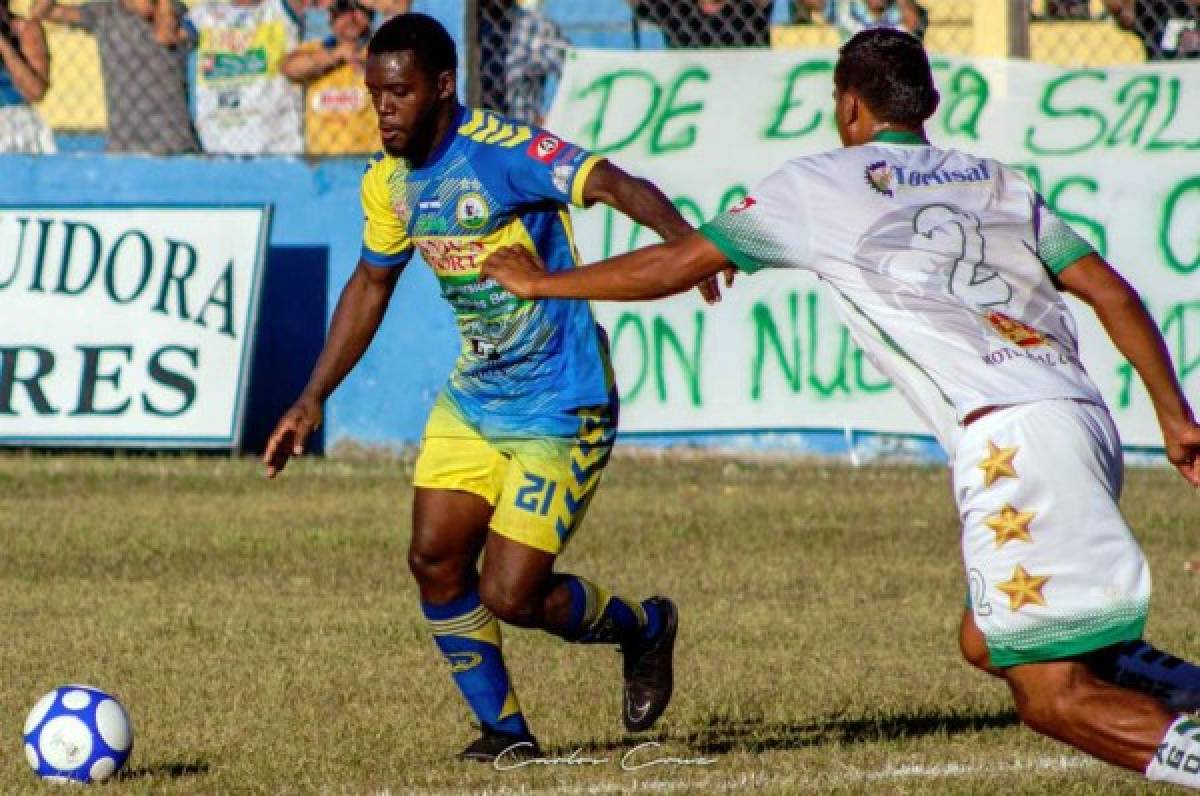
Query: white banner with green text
(1115, 152)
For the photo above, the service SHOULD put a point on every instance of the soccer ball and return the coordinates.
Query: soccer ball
(77, 733)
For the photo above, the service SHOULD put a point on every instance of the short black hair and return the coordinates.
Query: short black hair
(432, 47)
(890, 71)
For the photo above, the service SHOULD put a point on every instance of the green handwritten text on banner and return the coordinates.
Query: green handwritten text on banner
(1115, 152)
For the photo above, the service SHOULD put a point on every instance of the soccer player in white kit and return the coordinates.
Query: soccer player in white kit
(947, 268)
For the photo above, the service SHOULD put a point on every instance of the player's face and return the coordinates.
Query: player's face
(406, 101)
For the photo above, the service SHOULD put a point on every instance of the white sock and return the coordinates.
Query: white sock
(1178, 757)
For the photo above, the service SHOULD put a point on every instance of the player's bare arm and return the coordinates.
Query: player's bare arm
(641, 200)
(359, 312)
(1137, 337)
(657, 271)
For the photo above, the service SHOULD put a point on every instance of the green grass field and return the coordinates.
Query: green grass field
(266, 636)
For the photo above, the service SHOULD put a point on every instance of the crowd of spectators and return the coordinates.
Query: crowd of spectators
(285, 76)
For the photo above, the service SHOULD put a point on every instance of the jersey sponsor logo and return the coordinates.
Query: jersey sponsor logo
(472, 211)
(484, 349)
(450, 256)
(544, 147)
(913, 178)
(1015, 331)
(880, 177)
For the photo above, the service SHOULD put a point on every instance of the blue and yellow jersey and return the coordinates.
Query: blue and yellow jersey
(525, 365)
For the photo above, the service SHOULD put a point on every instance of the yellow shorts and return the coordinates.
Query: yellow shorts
(540, 487)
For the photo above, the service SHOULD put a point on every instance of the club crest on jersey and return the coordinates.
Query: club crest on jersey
(472, 211)
(879, 175)
(544, 147)
(1015, 331)
(746, 203)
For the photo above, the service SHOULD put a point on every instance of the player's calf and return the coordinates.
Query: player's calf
(1066, 701)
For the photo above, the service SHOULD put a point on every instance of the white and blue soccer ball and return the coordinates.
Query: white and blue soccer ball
(77, 733)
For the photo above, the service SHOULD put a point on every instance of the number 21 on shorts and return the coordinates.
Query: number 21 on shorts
(536, 494)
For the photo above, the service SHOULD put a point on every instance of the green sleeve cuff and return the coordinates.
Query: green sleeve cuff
(730, 249)
(1067, 255)
(1059, 246)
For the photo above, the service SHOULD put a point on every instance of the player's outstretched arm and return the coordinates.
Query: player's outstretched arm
(359, 312)
(642, 201)
(1136, 335)
(649, 273)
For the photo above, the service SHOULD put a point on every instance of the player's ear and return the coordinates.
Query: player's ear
(447, 84)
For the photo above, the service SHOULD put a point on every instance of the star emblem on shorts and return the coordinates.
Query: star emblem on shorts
(1010, 525)
(1023, 589)
(998, 464)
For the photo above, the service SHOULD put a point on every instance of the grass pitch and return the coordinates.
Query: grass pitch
(266, 637)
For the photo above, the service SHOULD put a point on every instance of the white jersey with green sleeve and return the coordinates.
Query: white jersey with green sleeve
(941, 263)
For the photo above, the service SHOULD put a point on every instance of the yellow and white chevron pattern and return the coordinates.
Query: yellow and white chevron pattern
(487, 128)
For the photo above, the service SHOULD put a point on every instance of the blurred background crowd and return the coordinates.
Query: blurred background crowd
(284, 77)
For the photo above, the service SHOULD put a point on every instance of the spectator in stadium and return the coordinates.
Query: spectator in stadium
(853, 16)
(537, 48)
(24, 78)
(244, 104)
(520, 51)
(145, 70)
(338, 119)
(709, 23)
(1169, 29)
(806, 12)
(389, 8)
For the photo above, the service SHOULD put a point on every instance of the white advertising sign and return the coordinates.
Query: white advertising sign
(127, 326)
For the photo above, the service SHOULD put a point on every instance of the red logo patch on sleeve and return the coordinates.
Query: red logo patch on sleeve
(544, 147)
(745, 204)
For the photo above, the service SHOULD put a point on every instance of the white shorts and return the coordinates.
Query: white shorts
(1053, 569)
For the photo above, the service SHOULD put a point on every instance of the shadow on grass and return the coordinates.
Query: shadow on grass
(722, 734)
(177, 770)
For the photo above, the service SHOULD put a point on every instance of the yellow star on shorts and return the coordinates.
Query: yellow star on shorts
(1023, 589)
(1009, 525)
(998, 464)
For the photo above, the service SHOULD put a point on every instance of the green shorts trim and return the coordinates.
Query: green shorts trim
(1060, 639)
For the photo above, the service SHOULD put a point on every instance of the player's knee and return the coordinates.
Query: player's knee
(509, 605)
(974, 650)
(433, 570)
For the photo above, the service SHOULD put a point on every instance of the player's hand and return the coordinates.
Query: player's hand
(516, 268)
(710, 289)
(291, 434)
(1182, 440)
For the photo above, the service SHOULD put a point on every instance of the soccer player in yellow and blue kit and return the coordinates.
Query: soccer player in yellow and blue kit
(516, 442)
